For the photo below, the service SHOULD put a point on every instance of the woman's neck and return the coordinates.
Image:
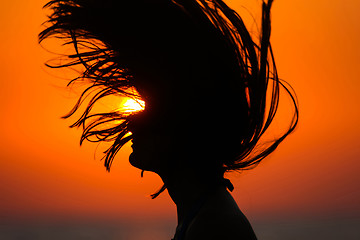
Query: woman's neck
(186, 188)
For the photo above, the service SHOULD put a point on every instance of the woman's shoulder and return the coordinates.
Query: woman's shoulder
(221, 228)
(222, 219)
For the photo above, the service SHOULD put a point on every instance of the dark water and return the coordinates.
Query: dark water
(327, 229)
(347, 229)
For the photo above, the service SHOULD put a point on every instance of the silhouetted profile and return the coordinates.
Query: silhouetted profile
(204, 80)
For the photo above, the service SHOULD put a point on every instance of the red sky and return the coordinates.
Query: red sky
(314, 172)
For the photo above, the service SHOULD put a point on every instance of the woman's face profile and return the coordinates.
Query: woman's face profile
(153, 140)
(160, 130)
(147, 143)
(168, 132)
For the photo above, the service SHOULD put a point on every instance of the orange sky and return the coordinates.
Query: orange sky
(45, 173)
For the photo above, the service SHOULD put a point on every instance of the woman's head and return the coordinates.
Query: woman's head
(202, 77)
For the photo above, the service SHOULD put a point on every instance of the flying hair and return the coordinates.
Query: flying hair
(105, 33)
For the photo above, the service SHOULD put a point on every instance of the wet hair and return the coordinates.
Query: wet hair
(203, 42)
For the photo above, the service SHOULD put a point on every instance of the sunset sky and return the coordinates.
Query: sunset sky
(315, 172)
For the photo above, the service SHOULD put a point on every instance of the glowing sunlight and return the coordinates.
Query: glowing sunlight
(130, 105)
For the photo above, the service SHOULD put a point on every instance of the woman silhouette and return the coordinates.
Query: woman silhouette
(204, 81)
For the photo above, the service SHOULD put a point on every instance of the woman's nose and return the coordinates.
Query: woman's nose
(137, 122)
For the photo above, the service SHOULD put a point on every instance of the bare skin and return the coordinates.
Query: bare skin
(219, 217)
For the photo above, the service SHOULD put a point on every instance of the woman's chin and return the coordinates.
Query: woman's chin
(133, 161)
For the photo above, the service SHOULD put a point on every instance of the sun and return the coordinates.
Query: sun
(130, 105)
